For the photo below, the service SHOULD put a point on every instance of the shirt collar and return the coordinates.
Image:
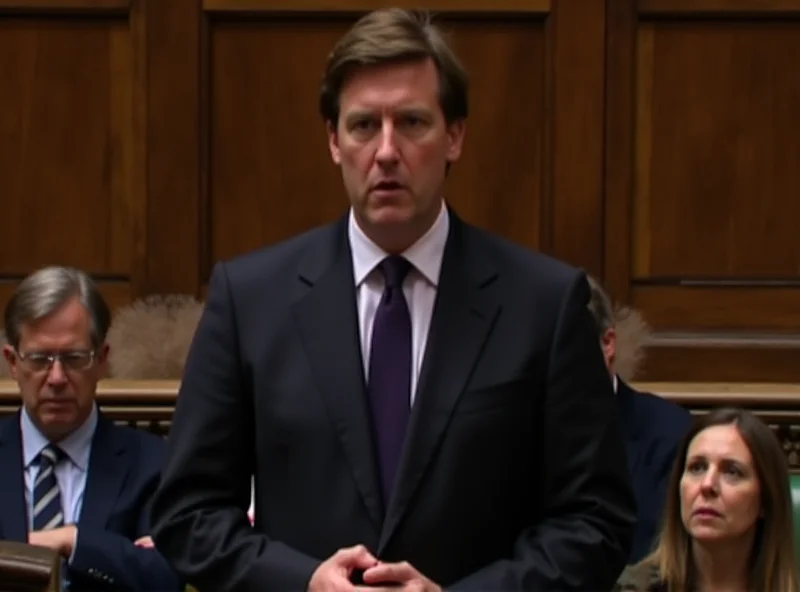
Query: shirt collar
(425, 255)
(77, 446)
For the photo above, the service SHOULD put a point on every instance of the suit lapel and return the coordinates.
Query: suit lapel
(327, 320)
(463, 315)
(13, 514)
(105, 475)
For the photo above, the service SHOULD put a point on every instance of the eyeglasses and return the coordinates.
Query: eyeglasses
(77, 360)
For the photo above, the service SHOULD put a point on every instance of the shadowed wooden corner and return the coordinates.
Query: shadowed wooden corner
(28, 568)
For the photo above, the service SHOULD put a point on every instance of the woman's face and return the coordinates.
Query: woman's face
(720, 491)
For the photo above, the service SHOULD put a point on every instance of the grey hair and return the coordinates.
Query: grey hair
(600, 307)
(45, 291)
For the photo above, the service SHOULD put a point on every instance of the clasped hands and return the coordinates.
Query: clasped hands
(334, 574)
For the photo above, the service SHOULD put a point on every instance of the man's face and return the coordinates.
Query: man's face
(58, 396)
(393, 145)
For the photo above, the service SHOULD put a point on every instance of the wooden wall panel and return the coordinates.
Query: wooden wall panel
(717, 150)
(651, 142)
(703, 184)
(81, 201)
(271, 176)
(99, 142)
(351, 6)
(498, 182)
(171, 161)
(61, 7)
(68, 142)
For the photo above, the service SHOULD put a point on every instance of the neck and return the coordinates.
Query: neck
(722, 567)
(399, 237)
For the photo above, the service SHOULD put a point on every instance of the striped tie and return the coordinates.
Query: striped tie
(47, 513)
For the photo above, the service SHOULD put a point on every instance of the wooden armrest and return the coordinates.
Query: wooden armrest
(28, 568)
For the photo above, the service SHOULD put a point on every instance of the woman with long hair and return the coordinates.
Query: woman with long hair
(728, 521)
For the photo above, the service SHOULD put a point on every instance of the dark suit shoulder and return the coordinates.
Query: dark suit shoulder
(663, 417)
(530, 284)
(8, 423)
(151, 449)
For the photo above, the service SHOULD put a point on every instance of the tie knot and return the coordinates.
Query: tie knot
(395, 268)
(51, 455)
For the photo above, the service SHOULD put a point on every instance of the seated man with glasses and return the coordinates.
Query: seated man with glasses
(72, 480)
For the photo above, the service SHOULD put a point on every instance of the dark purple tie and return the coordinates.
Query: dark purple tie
(390, 371)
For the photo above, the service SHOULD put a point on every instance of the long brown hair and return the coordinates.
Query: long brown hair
(772, 563)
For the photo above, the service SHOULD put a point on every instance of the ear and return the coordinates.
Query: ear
(456, 131)
(609, 344)
(102, 361)
(333, 142)
(13, 361)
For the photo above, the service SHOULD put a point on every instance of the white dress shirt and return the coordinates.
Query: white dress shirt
(419, 286)
(70, 474)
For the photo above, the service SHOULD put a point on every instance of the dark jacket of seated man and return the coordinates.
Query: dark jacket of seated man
(72, 480)
(654, 428)
(122, 468)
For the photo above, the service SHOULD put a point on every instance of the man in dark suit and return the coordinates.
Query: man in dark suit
(423, 405)
(653, 426)
(73, 481)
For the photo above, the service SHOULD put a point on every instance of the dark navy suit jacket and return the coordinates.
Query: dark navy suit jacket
(513, 475)
(654, 428)
(124, 470)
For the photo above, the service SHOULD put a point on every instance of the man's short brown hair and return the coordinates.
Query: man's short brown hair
(600, 307)
(392, 36)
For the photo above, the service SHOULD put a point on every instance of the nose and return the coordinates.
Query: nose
(56, 374)
(387, 149)
(710, 485)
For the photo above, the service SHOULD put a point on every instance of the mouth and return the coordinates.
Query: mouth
(388, 186)
(56, 402)
(707, 513)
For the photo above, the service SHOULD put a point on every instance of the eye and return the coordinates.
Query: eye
(734, 471)
(75, 358)
(412, 122)
(696, 467)
(362, 125)
(38, 360)
(37, 357)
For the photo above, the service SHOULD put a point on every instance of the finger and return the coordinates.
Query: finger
(383, 573)
(357, 557)
(339, 584)
(145, 542)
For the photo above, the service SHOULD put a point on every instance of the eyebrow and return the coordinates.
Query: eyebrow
(359, 114)
(401, 110)
(724, 459)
